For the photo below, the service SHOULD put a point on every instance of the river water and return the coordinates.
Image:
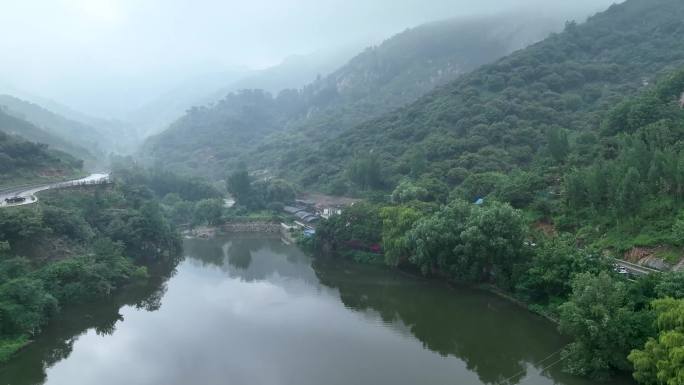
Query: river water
(251, 310)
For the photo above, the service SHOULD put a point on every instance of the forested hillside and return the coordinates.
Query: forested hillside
(214, 139)
(500, 117)
(22, 161)
(629, 193)
(72, 131)
(553, 247)
(14, 123)
(294, 72)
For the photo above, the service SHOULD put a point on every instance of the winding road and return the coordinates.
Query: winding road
(634, 269)
(29, 192)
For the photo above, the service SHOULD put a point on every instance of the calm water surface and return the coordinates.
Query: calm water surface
(249, 310)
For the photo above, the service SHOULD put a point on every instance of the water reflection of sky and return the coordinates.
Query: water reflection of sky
(248, 333)
(247, 311)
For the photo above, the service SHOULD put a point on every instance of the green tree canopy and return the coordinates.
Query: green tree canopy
(208, 211)
(604, 325)
(396, 222)
(239, 186)
(661, 360)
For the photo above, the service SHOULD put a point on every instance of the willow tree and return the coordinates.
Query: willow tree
(661, 361)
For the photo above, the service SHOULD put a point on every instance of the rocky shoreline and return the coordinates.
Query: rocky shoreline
(236, 227)
(251, 227)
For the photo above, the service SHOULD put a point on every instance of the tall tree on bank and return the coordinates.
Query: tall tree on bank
(661, 361)
(239, 185)
(365, 171)
(602, 320)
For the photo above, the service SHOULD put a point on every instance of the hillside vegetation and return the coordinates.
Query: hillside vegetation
(26, 131)
(575, 145)
(530, 175)
(499, 117)
(76, 245)
(213, 140)
(36, 124)
(294, 72)
(25, 162)
(75, 132)
(630, 194)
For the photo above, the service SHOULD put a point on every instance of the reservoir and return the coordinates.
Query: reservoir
(249, 310)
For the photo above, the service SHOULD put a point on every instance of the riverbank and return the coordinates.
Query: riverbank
(251, 227)
(58, 252)
(206, 232)
(442, 278)
(243, 297)
(267, 227)
(543, 313)
(510, 297)
(11, 346)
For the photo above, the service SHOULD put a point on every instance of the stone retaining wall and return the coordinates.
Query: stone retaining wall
(251, 227)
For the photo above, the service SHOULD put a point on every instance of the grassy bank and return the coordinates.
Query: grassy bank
(10, 346)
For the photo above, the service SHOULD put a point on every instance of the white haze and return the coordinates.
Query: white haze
(109, 57)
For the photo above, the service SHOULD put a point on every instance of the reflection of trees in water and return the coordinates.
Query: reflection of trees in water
(108, 328)
(252, 257)
(237, 250)
(240, 254)
(493, 337)
(208, 251)
(57, 340)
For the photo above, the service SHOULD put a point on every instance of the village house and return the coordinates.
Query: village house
(301, 213)
(307, 213)
(307, 217)
(327, 212)
(292, 210)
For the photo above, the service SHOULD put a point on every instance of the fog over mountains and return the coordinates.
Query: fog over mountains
(534, 148)
(110, 59)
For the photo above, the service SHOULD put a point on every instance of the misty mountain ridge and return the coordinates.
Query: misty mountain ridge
(123, 135)
(497, 118)
(24, 160)
(378, 80)
(293, 72)
(108, 135)
(76, 132)
(15, 124)
(92, 143)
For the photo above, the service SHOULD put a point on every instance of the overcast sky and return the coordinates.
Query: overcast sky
(75, 51)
